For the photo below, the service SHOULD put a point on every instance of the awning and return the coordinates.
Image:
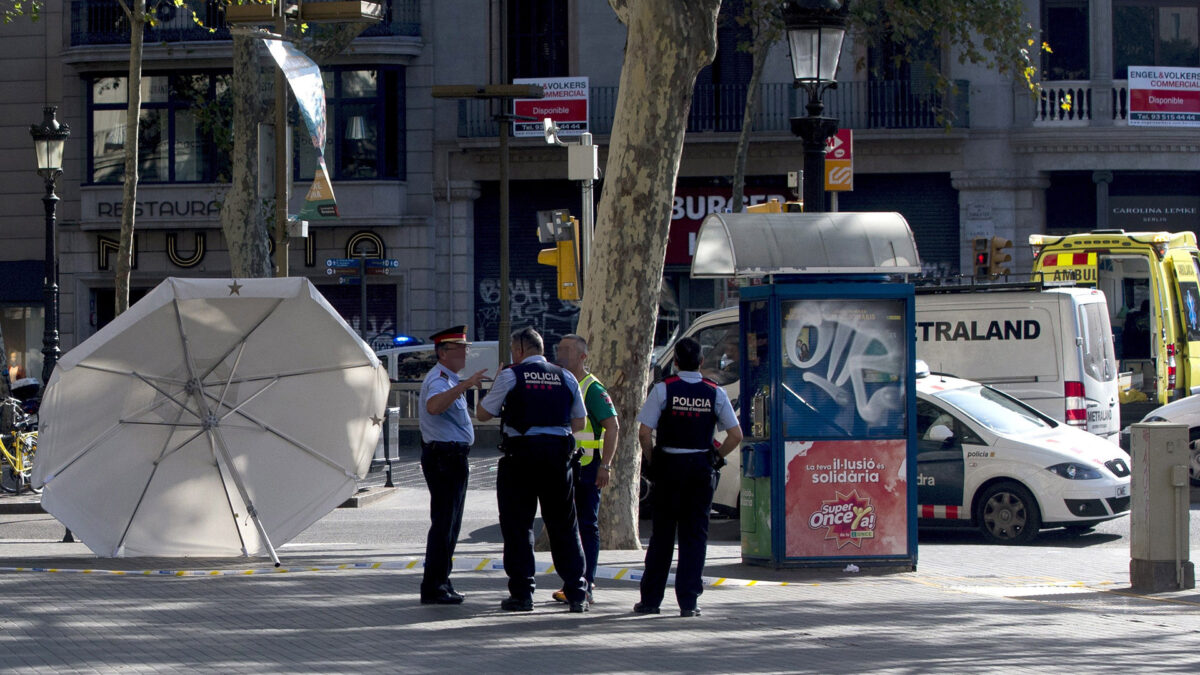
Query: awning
(759, 244)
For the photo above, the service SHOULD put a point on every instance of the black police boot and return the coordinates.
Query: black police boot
(642, 608)
(514, 604)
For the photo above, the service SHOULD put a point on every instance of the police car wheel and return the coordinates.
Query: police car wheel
(1008, 514)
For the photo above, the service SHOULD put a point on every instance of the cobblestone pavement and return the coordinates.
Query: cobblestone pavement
(1063, 604)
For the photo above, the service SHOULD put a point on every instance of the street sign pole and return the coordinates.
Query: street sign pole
(362, 295)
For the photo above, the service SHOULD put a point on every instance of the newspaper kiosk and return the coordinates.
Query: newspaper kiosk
(827, 398)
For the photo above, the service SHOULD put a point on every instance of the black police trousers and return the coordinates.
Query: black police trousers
(536, 469)
(446, 471)
(682, 498)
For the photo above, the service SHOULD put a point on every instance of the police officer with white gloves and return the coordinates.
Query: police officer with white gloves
(446, 437)
(540, 407)
(685, 409)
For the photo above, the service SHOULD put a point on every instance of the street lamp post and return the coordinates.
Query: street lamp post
(505, 93)
(49, 137)
(815, 31)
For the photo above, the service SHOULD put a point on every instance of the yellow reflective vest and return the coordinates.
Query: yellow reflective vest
(588, 438)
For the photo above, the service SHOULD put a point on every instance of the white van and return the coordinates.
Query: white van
(1052, 349)
(413, 362)
(717, 333)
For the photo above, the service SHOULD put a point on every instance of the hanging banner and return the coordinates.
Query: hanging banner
(304, 77)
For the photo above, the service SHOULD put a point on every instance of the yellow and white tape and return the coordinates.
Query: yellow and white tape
(460, 563)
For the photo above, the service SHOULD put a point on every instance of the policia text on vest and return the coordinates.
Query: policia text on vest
(539, 406)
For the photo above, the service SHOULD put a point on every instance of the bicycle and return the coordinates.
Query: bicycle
(17, 451)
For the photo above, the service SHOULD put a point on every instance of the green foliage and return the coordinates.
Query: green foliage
(14, 8)
(993, 33)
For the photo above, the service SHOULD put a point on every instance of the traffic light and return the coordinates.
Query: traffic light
(559, 228)
(982, 255)
(998, 256)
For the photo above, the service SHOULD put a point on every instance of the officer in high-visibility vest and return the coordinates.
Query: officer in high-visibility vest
(685, 409)
(598, 443)
(539, 407)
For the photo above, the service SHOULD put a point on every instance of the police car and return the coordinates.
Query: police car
(987, 459)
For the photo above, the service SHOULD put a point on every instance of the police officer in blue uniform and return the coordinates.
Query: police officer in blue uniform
(685, 410)
(540, 406)
(446, 438)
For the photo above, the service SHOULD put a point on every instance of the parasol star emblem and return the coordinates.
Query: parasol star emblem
(235, 288)
(199, 425)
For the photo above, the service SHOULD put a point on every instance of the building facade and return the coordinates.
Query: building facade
(417, 178)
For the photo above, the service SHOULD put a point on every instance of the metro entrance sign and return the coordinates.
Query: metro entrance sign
(839, 161)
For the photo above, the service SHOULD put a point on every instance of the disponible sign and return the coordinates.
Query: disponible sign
(565, 101)
(1164, 96)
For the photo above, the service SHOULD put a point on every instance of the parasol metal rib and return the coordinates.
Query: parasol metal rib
(162, 454)
(298, 373)
(245, 337)
(248, 399)
(272, 430)
(219, 441)
(170, 396)
(212, 446)
(124, 373)
(100, 438)
(236, 362)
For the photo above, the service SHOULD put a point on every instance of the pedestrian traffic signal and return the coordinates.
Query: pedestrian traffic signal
(565, 255)
(997, 256)
(982, 255)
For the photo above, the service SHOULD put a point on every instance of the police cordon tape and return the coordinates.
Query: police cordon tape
(473, 564)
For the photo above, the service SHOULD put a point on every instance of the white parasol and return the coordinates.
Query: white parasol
(215, 417)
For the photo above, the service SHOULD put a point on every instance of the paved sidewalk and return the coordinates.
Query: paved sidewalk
(1063, 605)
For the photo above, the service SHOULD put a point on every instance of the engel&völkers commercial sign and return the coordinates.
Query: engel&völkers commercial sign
(1165, 96)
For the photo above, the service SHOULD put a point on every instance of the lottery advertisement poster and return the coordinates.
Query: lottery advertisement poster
(846, 498)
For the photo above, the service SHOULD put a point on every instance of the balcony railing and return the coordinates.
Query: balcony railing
(1070, 103)
(719, 108)
(103, 22)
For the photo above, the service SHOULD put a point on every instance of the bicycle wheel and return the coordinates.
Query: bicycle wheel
(29, 448)
(10, 481)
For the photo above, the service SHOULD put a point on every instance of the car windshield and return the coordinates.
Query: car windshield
(1002, 414)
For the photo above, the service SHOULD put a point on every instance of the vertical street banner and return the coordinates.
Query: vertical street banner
(304, 77)
(1164, 96)
(839, 161)
(565, 101)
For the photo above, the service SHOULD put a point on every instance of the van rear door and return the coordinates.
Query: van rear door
(1099, 374)
(1186, 271)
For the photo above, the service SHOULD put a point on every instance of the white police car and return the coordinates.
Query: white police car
(986, 458)
(1182, 411)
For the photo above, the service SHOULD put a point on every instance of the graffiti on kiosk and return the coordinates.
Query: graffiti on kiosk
(530, 303)
(852, 352)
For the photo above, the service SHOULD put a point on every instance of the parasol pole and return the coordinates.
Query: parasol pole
(219, 443)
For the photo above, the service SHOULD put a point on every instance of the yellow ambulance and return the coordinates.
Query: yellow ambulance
(1150, 280)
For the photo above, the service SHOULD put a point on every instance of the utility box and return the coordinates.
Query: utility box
(1158, 528)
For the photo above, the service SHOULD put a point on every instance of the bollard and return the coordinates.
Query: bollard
(387, 445)
(1158, 528)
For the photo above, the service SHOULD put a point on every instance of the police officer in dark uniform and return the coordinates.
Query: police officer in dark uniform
(685, 409)
(446, 438)
(539, 406)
